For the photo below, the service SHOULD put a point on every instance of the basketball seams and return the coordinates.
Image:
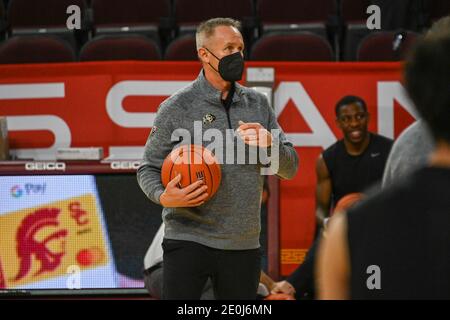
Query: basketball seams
(207, 166)
(171, 168)
(189, 152)
(189, 163)
(214, 167)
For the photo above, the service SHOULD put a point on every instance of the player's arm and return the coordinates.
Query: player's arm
(323, 191)
(333, 262)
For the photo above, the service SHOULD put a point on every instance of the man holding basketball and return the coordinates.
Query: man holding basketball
(218, 238)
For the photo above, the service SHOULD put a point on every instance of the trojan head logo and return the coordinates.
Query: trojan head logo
(34, 239)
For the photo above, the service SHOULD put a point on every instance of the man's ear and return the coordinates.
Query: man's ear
(203, 55)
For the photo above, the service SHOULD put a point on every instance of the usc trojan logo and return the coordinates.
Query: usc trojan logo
(28, 245)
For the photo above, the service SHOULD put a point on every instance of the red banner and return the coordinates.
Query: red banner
(113, 104)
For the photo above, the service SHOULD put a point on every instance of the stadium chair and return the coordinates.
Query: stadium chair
(189, 13)
(294, 15)
(386, 46)
(131, 16)
(120, 47)
(182, 48)
(354, 11)
(354, 17)
(27, 17)
(291, 47)
(36, 49)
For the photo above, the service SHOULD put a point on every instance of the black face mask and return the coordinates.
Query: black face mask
(231, 66)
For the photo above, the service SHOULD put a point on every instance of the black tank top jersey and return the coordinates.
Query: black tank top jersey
(351, 174)
(405, 232)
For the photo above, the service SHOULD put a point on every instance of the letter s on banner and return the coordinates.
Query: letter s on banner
(119, 116)
(56, 125)
(122, 89)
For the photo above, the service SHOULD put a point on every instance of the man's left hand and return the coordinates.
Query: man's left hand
(254, 134)
(283, 287)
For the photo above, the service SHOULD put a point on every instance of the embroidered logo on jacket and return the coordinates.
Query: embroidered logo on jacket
(208, 118)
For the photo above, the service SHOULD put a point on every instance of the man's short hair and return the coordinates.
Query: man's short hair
(349, 100)
(206, 29)
(439, 29)
(427, 80)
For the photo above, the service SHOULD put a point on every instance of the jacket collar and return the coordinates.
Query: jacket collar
(212, 94)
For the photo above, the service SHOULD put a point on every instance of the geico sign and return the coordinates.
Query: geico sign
(124, 165)
(49, 166)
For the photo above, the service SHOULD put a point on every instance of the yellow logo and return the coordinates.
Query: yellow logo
(42, 242)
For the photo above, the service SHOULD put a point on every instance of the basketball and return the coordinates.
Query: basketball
(348, 201)
(194, 163)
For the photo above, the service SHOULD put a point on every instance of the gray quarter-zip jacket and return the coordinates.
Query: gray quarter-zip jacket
(230, 220)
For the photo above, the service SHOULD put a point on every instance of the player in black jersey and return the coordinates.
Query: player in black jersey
(396, 244)
(352, 164)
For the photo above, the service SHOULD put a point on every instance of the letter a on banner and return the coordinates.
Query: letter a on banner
(388, 91)
(321, 133)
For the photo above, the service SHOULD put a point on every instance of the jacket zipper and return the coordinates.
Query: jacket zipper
(228, 117)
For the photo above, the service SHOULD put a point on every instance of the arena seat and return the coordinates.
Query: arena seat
(182, 48)
(36, 49)
(131, 16)
(120, 47)
(354, 18)
(354, 11)
(380, 46)
(189, 13)
(46, 16)
(301, 46)
(294, 15)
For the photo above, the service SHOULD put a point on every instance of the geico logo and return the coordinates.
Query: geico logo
(61, 166)
(121, 165)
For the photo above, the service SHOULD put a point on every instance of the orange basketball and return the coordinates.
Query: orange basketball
(194, 163)
(348, 201)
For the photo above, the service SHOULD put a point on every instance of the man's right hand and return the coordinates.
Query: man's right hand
(191, 196)
(283, 287)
